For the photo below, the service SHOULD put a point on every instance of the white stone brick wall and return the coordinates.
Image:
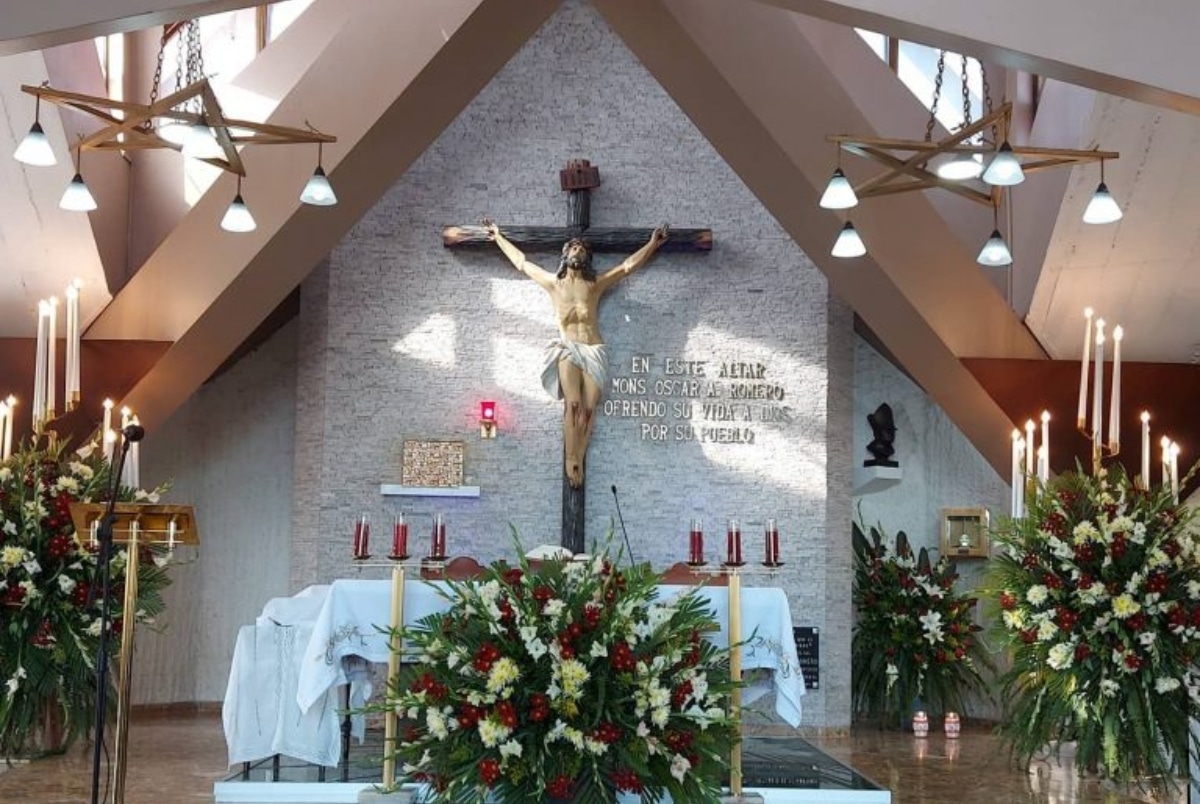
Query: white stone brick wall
(416, 336)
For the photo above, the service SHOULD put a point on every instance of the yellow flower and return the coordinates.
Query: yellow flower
(1125, 606)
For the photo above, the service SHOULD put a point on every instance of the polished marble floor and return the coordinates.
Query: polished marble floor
(174, 759)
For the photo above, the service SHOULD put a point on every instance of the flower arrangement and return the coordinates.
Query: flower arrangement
(915, 637)
(49, 613)
(569, 680)
(1099, 594)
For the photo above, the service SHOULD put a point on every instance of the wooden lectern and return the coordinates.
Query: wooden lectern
(135, 525)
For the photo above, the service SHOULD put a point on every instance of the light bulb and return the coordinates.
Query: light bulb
(1103, 208)
(848, 243)
(201, 143)
(237, 217)
(961, 167)
(995, 252)
(77, 197)
(318, 191)
(838, 193)
(35, 148)
(1004, 169)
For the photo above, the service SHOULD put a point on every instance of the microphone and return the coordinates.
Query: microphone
(133, 432)
(624, 533)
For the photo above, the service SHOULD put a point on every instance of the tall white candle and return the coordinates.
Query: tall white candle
(1175, 471)
(1030, 451)
(1016, 473)
(135, 472)
(11, 403)
(1044, 473)
(106, 429)
(1145, 449)
(1165, 443)
(1098, 391)
(71, 381)
(4, 414)
(1081, 417)
(52, 362)
(126, 469)
(1114, 404)
(1043, 463)
(39, 368)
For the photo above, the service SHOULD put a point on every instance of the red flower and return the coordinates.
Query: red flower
(626, 780)
(489, 771)
(506, 713)
(1082, 651)
(1008, 602)
(559, 786)
(1133, 662)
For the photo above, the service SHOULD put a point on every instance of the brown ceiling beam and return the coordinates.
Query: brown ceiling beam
(428, 59)
(1120, 49)
(26, 26)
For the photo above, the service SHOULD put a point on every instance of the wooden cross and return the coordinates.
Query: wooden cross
(578, 179)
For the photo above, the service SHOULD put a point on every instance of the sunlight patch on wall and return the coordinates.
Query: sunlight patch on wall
(778, 455)
(524, 298)
(517, 368)
(432, 342)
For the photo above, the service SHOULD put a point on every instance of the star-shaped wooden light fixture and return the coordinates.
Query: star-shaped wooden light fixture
(192, 111)
(977, 163)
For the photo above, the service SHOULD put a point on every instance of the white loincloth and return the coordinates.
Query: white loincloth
(591, 357)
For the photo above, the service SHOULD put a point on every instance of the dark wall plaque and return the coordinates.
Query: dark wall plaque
(808, 649)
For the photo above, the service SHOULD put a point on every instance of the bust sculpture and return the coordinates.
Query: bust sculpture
(883, 429)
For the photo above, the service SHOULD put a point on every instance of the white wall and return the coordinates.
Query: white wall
(229, 452)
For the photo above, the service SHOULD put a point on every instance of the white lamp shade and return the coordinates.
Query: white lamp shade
(838, 193)
(848, 243)
(237, 217)
(318, 191)
(174, 131)
(995, 252)
(1004, 170)
(1102, 208)
(961, 168)
(77, 197)
(35, 148)
(201, 143)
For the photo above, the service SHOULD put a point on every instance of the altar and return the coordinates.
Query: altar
(302, 649)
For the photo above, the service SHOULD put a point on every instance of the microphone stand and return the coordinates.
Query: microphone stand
(104, 533)
(625, 533)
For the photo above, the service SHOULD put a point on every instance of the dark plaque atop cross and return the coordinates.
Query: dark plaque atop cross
(578, 179)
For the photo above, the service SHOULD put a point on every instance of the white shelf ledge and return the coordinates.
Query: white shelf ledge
(870, 479)
(393, 490)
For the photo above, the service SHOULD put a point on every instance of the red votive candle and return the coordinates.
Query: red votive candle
(772, 542)
(733, 543)
(696, 542)
(437, 549)
(399, 537)
(362, 537)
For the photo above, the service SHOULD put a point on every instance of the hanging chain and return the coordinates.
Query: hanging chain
(966, 92)
(987, 98)
(937, 96)
(154, 87)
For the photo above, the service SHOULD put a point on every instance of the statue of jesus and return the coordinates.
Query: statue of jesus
(576, 366)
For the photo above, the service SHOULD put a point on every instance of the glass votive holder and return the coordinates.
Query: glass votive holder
(733, 544)
(399, 538)
(696, 542)
(771, 544)
(437, 546)
(953, 726)
(362, 538)
(920, 724)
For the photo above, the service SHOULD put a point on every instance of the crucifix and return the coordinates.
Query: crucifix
(577, 362)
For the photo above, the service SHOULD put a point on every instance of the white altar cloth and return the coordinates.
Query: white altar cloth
(347, 626)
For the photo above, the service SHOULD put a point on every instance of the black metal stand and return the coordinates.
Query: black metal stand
(104, 534)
